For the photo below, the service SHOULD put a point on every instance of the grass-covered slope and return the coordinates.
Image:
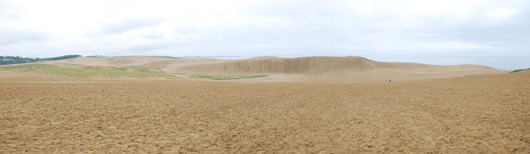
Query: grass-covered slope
(91, 71)
(519, 70)
(225, 76)
(111, 72)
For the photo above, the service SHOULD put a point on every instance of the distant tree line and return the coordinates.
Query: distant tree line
(4, 60)
(519, 70)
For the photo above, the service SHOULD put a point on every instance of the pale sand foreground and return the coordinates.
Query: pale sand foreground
(54, 114)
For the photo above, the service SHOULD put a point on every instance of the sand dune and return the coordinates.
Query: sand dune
(57, 114)
(331, 69)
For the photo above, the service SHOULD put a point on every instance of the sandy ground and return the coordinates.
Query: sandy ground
(305, 105)
(55, 114)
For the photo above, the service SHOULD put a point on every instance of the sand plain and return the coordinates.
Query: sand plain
(56, 114)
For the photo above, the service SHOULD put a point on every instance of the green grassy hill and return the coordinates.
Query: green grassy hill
(82, 71)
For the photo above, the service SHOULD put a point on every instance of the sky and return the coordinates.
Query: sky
(494, 33)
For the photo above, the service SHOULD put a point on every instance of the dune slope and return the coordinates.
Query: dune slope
(346, 69)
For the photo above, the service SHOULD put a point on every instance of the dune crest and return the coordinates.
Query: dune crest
(343, 69)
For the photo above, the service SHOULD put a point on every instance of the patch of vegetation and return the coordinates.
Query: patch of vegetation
(112, 59)
(139, 68)
(477, 75)
(118, 68)
(74, 65)
(188, 73)
(519, 70)
(225, 76)
(88, 71)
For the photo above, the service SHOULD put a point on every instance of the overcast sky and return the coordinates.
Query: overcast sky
(486, 32)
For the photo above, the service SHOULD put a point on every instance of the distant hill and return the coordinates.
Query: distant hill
(309, 65)
(332, 69)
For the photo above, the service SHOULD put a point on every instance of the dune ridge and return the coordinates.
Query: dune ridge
(347, 69)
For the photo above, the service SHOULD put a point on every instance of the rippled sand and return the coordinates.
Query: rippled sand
(480, 114)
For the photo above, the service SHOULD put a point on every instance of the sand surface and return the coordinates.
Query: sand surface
(477, 114)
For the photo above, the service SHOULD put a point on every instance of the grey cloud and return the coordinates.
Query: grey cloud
(130, 24)
(103, 46)
(305, 10)
(328, 23)
(509, 36)
(151, 36)
(93, 33)
(7, 12)
(191, 29)
(15, 36)
(321, 28)
(126, 47)
(142, 48)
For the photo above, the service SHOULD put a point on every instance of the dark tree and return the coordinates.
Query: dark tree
(18, 59)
